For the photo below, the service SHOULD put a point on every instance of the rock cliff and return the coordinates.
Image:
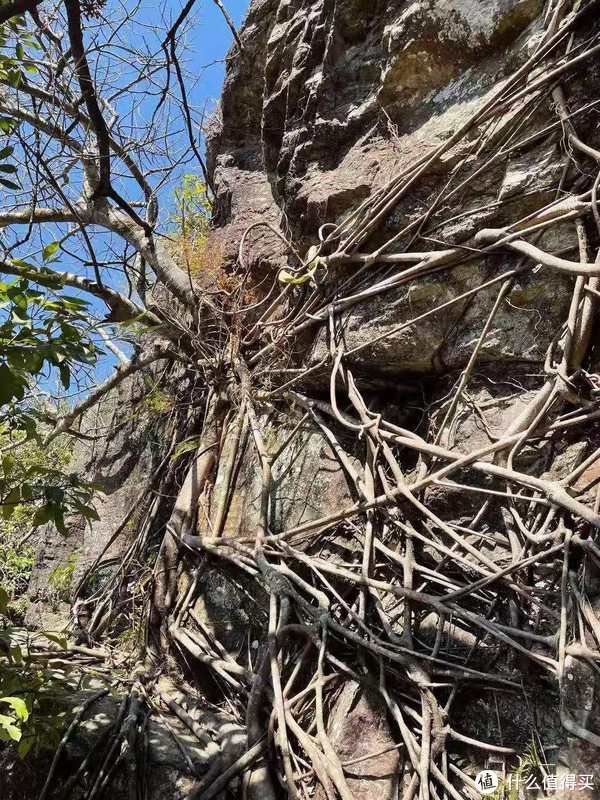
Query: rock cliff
(389, 166)
(327, 103)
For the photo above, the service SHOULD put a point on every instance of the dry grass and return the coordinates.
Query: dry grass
(205, 261)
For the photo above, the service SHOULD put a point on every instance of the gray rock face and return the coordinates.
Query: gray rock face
(120, 464)
(328, 75)
(349, 99)
(307, 480)
(171, 750)
(379, 334)
(235, 158)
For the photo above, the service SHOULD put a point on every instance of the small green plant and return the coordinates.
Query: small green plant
(28, 716)
(15, 713)
(529, 766)
(60, 580)
(157, 402)
(189, 240)
(15, 567)
(30, 464)
(16, 609)
(192, 207)
(35, 484)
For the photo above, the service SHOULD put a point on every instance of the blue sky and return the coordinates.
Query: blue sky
(210, 40)
(202, 51)
(207, 41)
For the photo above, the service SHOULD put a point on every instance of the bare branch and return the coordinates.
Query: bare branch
(122, 372)
(121, 307)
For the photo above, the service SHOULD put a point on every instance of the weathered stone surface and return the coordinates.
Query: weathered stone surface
(308, 480)
(358, 727)
(243, 192)
(119, 462)
(338, 100)
(231, 609)
(334, 105)
(521, 332)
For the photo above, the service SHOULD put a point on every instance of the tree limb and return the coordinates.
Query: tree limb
(154, 252)
(122, 371)
(120, 306)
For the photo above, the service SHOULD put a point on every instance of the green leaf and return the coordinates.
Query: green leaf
(186, 447)
(9, 184)
(11, 385)
(10, 502)
(18, 705)
(7, 168)
(6, 151)
(14, 77)
(69, 300)
(59, 640)
(65, 375)
(54, 494)
(33, 361)
(59, 521)
(42, 515)
(8, 729)
(19, 315)
(25, 746)
(50, 250)
(8, 465)
(87, 511)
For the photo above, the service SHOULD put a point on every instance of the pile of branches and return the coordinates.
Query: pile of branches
(329, 621)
